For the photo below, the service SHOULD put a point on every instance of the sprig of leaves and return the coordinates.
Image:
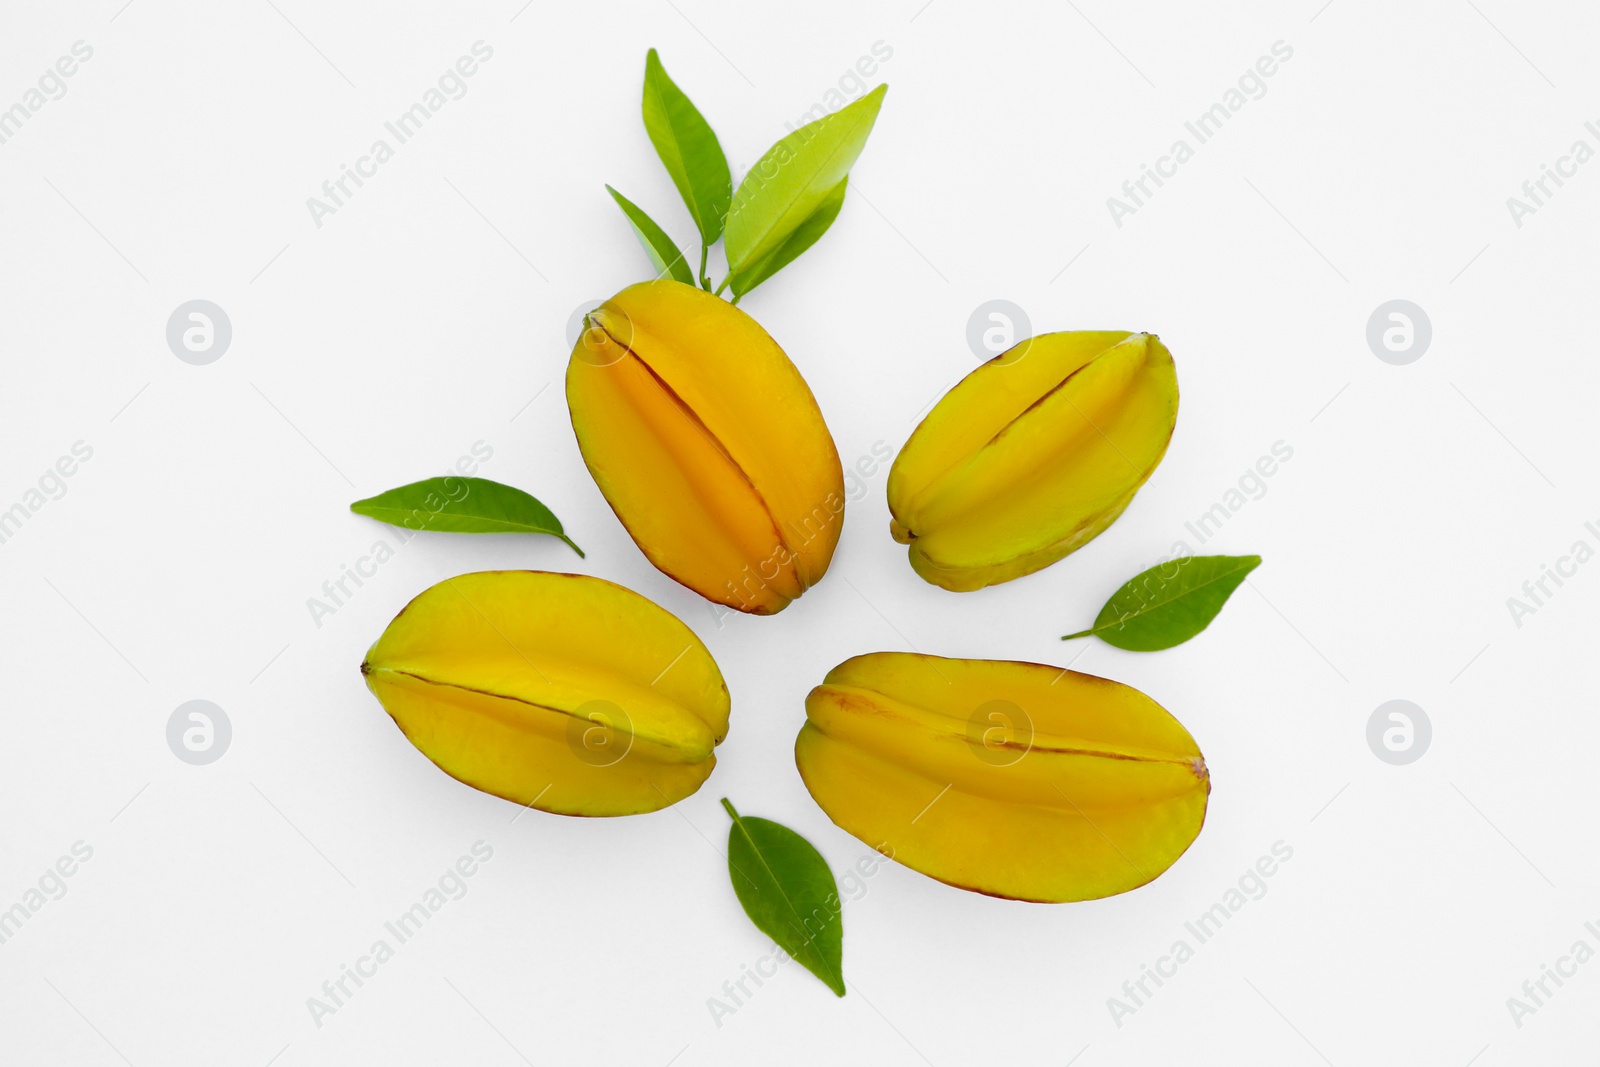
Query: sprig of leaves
(783, 206)
(1169, 603)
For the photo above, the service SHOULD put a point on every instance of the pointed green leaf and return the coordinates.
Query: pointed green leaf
(463, 505)
(804, 236)
(1169, 603)
(688, 148)
(788, 891)
(788, 184)
(664, 255)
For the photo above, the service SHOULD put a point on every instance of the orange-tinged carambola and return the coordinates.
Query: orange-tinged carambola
(1032, 455)
(707, 443)
(1017, 780)
(559, 691)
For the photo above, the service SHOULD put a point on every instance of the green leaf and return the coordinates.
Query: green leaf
(788, 184)
(688, 148)
(1169, 603)
(804, 236)
(664, 255)
(463, 505)
(789, 893)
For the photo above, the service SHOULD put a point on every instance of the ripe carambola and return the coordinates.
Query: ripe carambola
(707, 443)
(559, 691)
(1013, 779)
(1032, 455)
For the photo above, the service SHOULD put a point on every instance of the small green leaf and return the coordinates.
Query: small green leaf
(664, 255)
(788, 891)
(688, 148)
(1169, 603)
(788, 184)
(463, 505)
(804, 236)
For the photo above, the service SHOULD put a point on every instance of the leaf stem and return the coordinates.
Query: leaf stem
(724, 284)
(728, 804)
(705, 279)
(573, 545)
(1116, 624)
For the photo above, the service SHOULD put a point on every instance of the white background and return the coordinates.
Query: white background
(428, 311)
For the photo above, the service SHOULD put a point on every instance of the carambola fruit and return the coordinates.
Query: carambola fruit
(1031, 455)
(707, 443)
(559, 691)
(1013, 779)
